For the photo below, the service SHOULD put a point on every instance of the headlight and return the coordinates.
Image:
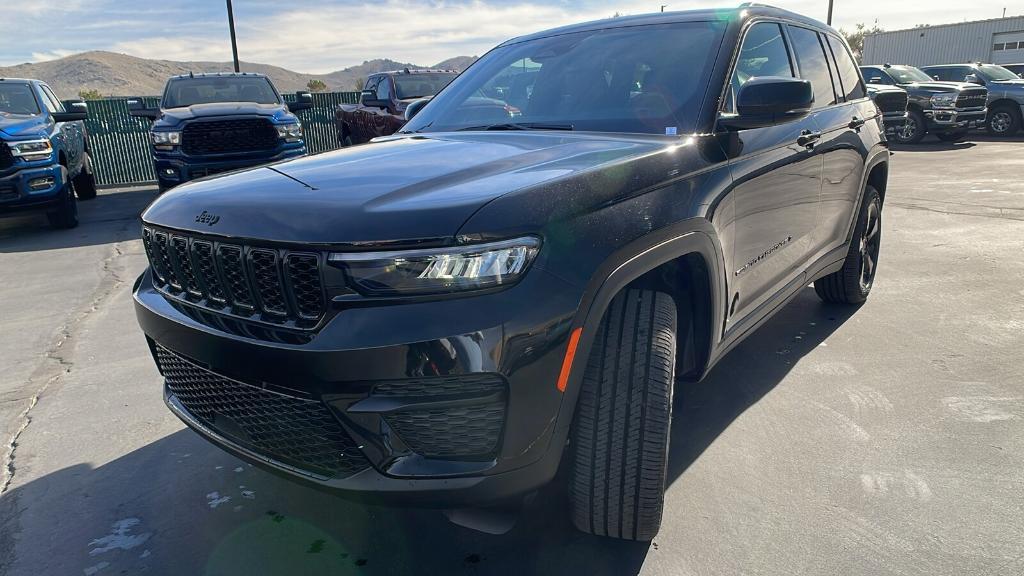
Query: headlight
(31, 150)
(290, 132)
(944, 100)
(441, 270)
(165, 140)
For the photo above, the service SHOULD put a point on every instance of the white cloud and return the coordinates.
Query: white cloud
(52, 54)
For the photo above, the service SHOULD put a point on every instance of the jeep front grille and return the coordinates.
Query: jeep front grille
(972, 98)
(299, 432)
(241, 135)
(267, 284)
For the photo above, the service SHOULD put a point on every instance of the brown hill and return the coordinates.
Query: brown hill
(113, 74)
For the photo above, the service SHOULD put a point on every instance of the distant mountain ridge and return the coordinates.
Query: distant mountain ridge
(113, 74)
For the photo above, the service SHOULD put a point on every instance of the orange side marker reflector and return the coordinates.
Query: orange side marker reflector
(570, 352)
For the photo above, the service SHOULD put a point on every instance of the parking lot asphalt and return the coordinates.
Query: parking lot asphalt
(885, 439)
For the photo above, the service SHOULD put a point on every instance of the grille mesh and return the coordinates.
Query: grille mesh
(228, 136)
(268, 281)
(468, 430)
(460, 432)
(295, 431)
(971, 98)
(889, 102)
(6, 158)
(304, 272)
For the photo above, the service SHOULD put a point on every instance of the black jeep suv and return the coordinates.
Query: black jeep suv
(946, 109)
(446, 315)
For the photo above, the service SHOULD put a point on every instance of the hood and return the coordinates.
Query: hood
(877, 88)
(22, 126)
(1008, 85)
(938, 86)
(399, 189)
(174, 116)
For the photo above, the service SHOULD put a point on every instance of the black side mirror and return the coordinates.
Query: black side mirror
(414, 108)
(303, 101)
(137, 108)
(74, 110)
(769, 100)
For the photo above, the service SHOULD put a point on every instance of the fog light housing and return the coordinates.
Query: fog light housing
(169, 174)
(41, 183)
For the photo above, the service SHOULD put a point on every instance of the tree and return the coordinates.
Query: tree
(315, 85)
(856, 38)
(358, 83)
(89, 94)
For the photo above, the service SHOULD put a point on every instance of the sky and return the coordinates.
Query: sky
(323, 36)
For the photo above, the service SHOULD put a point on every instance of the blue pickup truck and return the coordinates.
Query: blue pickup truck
(212, 123)
(44, 153)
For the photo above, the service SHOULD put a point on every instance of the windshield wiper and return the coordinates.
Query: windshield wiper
(519, 126)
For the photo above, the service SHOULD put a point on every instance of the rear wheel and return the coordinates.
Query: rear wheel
(852, 283)
(1003, 120)
(914, 129)
(66, 214)
(85, 182)
(621, 435)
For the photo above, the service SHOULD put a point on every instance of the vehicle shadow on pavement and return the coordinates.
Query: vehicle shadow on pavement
(703, 410)
(933, 145)
(102, 220)
(181, 506)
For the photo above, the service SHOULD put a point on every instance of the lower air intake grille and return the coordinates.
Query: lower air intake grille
(459, 417)
(295, 431)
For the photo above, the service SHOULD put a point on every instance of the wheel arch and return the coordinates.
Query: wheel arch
(1006, 102)
(686, 265)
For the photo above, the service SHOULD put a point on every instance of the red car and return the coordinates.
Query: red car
(382, 103)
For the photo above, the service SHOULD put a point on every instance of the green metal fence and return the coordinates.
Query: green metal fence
(119, 143)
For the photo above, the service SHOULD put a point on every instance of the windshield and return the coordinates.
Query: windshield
(908, 74)
(17, 99)
(994, 73)
(648, 79)
(205, 90)
(421, 85)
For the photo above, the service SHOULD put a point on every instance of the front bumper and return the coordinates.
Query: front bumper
(941, 120)
(340, 370)
(18, 195)
(173, 168)
(894, 121)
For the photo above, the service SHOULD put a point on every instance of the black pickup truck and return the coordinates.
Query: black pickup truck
(946, 109)
(212, 123)
(444, 316)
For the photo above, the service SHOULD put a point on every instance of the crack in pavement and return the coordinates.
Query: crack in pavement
(56, 359)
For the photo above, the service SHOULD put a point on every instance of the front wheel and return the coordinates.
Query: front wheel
(66, 214)
(852, 283)
(1003, 121)
(621, 434)
(914, 129)
(85, 182)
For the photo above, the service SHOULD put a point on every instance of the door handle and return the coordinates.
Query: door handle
(808, 138)
(856, 123)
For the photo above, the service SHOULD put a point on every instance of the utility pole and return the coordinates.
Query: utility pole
(664, 5)
(829, 21)
(234, 45)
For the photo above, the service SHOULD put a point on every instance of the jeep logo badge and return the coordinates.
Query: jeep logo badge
(207, 218)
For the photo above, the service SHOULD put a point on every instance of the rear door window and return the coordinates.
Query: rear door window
(810, 57)
(849, 75)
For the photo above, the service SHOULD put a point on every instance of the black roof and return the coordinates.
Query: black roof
(740, 14)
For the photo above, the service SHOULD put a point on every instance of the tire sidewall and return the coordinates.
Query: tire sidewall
(915, 117)
(1014, 121)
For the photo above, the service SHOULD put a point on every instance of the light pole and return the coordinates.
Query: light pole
(234, 45)
(829, 21)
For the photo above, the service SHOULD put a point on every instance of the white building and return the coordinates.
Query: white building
(998, 41)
